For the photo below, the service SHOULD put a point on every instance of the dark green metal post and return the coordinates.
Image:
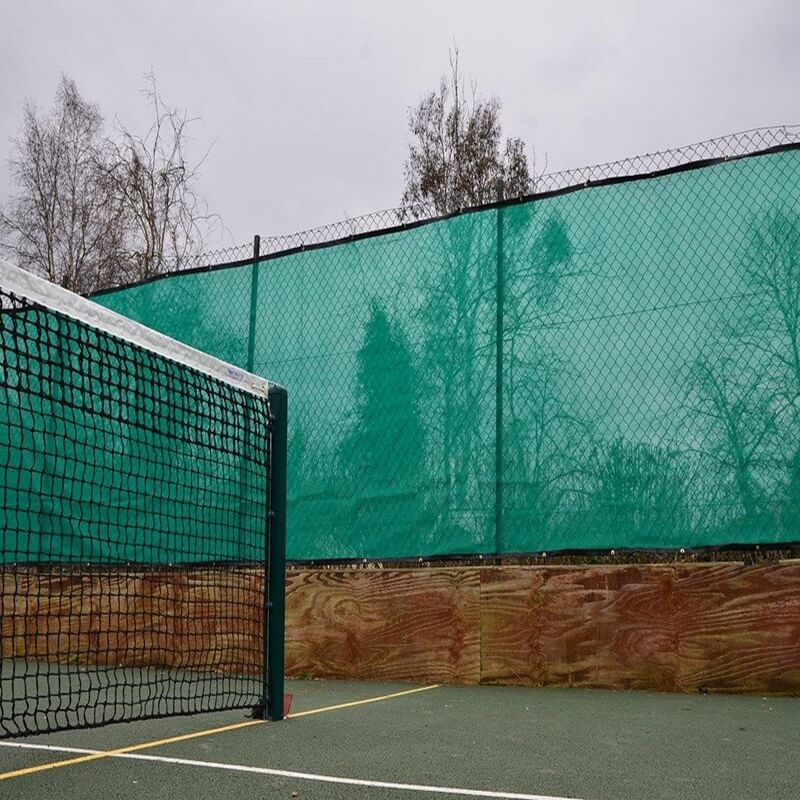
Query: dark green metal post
(499, 334)
(274, 596)
(251, 339)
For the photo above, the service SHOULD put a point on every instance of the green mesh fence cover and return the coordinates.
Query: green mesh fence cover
(649, 363)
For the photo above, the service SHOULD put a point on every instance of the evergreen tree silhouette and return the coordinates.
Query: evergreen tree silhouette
(382, 456)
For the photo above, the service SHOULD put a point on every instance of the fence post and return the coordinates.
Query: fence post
(251, 338)
(499, 334)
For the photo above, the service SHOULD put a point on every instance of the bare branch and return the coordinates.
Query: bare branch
(62, 222)
(456, 158)
(157, 186)
(90, 211)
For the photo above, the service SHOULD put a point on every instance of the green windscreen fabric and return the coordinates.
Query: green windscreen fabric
(616, 366)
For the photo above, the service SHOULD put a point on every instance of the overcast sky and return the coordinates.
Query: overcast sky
(307, 102)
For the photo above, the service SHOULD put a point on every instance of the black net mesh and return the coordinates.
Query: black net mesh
(133, 508)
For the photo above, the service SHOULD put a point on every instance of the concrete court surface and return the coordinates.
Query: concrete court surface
(447, 741)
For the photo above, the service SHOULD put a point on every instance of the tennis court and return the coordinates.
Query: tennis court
(364, 740)
(143, 507)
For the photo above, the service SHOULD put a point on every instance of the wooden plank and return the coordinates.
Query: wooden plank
(564, 626)
(740, 628)
(682, 627)
(415, 625)
(511, 626)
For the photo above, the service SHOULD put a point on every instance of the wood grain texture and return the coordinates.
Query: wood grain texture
(740, 629)
(682, 627)
(420, 625)
(199, 619)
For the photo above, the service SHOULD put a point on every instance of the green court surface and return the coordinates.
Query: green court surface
(419, 742)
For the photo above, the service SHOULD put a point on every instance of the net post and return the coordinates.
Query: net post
(275, 585)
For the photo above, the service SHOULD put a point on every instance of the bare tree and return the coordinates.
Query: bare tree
(744, 392)
(64, 222)
(91, 211)
(544, 440)
(156, 185)
(456, 158)
(458, 320)
(636, 492)
(768, 331)
(543, 436)
(738, 412)
(771, 327)
(456, 317)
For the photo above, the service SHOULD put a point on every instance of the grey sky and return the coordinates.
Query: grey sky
(307, 102)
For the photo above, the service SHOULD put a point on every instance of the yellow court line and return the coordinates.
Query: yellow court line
(363, 702)
(130, 749)
(18, 773)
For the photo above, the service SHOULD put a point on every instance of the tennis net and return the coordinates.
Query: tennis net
(142, 514)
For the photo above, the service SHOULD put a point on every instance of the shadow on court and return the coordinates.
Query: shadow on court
(483, 741)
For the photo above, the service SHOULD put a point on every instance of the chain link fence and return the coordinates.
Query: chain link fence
(725, 147)
(612, 363)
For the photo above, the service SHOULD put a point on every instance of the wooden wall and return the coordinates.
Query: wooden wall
(181, 619)
(405, 625)
(680, 627)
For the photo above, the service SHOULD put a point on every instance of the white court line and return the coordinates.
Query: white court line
(303, 776)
